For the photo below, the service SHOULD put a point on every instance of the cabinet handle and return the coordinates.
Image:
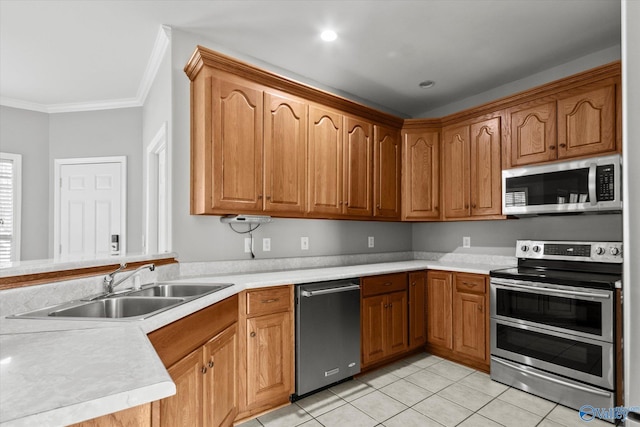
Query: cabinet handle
(471, 285)
(552, 147)
(210, 363)
(267, 301)
(203, 370)
(252, 334)
(387, 284)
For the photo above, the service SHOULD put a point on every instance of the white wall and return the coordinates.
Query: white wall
(631, 150)
(98, 134)
(204, 238)
(27, 133)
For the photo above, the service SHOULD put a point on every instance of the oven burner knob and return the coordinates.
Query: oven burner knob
(524, 248)
(536, 248)
(600, 251)
(614, 251)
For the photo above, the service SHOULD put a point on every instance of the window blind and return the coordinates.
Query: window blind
(7, 210)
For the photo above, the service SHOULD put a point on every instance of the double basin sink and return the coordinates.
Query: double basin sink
(129, 305)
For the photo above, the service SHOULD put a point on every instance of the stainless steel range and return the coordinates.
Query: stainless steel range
(553, 321)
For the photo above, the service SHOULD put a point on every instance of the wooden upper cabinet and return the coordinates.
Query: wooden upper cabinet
(324, 169)
(456, 171)
(285, 153)
(532, 133)
(587, 122)
(237, 145)
(386, 172)
(421, 175)
(486, 168)
(358, 162)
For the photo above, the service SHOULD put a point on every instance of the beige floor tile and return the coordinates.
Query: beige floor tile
(429, 380)
(288, 416)
(411, 418)
(442, 410)
(251, 423)
(527, 401)
(311, 423)
(476, 420)
(569, 417)
(422, 360)
(482, 382)
(509, 415)
(379, 406)
(402, 369)
(465, 396)
(346, 415)
(450, 370)
(321, 402)
(351, 390)
(406, 392)
(548, 423)
(378, 378)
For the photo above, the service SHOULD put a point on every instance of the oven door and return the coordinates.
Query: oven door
(579, 358)
(583, 312)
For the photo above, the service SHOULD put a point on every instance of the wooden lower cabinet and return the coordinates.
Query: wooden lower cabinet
(417, 309)
(205, 386)
(458, 317)
(266, 350)
(138, 416)
(384, 317)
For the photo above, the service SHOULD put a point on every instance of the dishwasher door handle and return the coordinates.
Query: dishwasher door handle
(335, 290)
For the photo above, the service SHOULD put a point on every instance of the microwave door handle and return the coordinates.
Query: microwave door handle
(592, 185)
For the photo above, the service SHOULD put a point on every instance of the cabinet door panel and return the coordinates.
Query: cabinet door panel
(439, 309)
(269, 357)
(532, 134)
(237, 146)
(397, 321)
(456, 168)
(486, 167)
(185, 407)
(285, 153)
(220, 393)
(421, 175)
(358, 151)
(325, 161)
(586, 123)
(469, 322)
(417, 309)
(373, 328)
(387, 175)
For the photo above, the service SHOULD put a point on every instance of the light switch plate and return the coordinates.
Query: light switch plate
(466, 242)
(304, 243)
(247, 244)
(266, 244)
(371, 242)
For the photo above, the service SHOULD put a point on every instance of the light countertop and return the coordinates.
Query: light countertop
(56, 372)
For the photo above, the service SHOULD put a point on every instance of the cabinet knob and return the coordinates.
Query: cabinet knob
(386, 305)
(562, 145)
(252, 334)
(437, 208)
(480, 308)
(203, 370)
(473, 206)
(552, 147)
(413, 283)
(466, 206)
(210, 364)
(390, 304)
(259, 196)
(268, 197)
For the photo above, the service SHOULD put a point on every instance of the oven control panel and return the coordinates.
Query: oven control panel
(570, 251)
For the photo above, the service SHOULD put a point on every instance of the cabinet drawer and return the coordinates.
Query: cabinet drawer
(473, 283)
(270, 300)
(384, 284)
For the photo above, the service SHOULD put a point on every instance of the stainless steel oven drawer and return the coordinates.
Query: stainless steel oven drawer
(549, 386)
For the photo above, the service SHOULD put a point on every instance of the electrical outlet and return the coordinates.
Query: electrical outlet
(266, 244)
(304, 243)
(371, 242)
(247, 244)
(466, 242)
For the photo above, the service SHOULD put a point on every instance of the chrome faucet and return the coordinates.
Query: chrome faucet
(109, 280)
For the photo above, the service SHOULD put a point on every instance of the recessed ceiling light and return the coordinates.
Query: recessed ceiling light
(328, 35)
(426, 84)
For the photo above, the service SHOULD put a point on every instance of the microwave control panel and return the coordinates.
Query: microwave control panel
(605, 183)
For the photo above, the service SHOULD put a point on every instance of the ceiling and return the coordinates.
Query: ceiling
(75, 52)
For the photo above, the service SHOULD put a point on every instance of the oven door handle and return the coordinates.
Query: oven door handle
(554, 291)
(553, 380)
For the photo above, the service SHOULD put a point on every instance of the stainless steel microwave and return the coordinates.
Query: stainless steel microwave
(576, 186)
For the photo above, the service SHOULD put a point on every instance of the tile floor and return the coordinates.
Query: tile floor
(422, 390)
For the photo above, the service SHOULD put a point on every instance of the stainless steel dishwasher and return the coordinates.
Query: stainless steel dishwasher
(327, 334)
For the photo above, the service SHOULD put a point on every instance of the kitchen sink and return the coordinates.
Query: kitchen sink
(128, 305)
(118, 308)
(179, 290)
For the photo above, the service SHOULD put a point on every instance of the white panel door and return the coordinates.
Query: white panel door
(90, 209)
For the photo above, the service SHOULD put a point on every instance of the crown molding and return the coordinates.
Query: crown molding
(160, 47)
